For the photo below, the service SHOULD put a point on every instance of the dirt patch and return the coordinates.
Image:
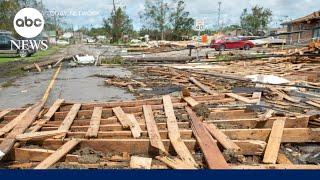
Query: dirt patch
(202, 110)
(89, 156)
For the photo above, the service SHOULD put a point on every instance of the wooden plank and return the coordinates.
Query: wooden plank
(152, 128)
(241, 98)
(4, 113)
(282, 159)
(123, 118)
(38, 67)
(8, 143)
(9, 126)
(140, 162)
(212, 153)
(221, 137)
(174, 134)
(38, 135)
(36, 155)
(202, 86)
(267, 115)
(272, 149)
(67, 122)
(56, 156)
(174, 163)
(313, 104)
(94, 123)
(191, 102)
(135, 128)
(47, 117)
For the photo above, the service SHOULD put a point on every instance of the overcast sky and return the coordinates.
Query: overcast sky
(96, 10)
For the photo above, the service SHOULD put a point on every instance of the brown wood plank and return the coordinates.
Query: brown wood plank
(140, 162)
(9, 126)
(267, 115)
(8, 143)
(152, 128)
(94, 123)
(174, 134)
(135, 128)
(4, 112)
(191, 102)
(212, 153)
(38, 135)
(272, 149)
(241, 98)
(67, 122)
(47, 117)
(36, 155)
(202, 86)
(122, 116)
(56, 156)
(221, 137)
(174, 163)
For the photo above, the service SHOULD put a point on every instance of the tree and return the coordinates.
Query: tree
(181, 22)
(258, 19)
(155, 16)
(8, 11)
(118, 24)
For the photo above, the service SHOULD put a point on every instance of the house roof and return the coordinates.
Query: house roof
(312, 16)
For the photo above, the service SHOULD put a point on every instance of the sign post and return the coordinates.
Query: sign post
(199, 26)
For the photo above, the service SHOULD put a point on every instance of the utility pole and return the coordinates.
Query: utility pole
(219, 13)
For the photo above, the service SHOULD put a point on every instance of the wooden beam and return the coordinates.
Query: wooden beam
(122, 116)
(36, 155)
(4, 112)
(267, 115)
(9, 126)
(202, 86)
(191, 102)
(67, 122)
(313, 104)
(50, 86)
(94, 123)
(39, 135)
(140, 162)
(152, 128)
(272, 149)
(222, 138)
(47, 117)
(56, 156)
(8, 143)
(241, 98)
(173, 133)
(212, 153)
(174, 163)
(135, 128)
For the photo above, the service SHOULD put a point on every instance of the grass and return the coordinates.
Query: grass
(37, 56)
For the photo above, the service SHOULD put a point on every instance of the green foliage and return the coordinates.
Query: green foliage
(182, 24)
(118, 24)
(8, 11)
(257, 19)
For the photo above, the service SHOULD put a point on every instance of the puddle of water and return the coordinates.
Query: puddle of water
(73, 84)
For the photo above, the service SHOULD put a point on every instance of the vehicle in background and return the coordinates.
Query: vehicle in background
(6, 49)
(269, 41)
(231, 43)
(62, 42)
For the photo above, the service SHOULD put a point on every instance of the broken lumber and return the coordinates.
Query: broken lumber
(122, 117)
(174, 134)
(67, 122)
(135, 128)
(153, 132)
(222, 138)
(202, 86)
(174, 163)
(7, 144)
(241, 98)
(156, 59)
(140, 162)
(4, 113)
(56, 156)
(272, 149)
(94, 123)
(38, 135)
(48, 90)
(9, 126)
(191, 102)
(212, 153)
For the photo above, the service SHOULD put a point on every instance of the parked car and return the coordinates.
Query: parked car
(62, 42)
(5, 46)
(231, 43)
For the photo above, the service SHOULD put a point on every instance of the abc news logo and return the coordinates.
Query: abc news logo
(29, 23)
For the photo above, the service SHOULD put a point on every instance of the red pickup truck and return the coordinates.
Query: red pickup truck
(231, 43)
